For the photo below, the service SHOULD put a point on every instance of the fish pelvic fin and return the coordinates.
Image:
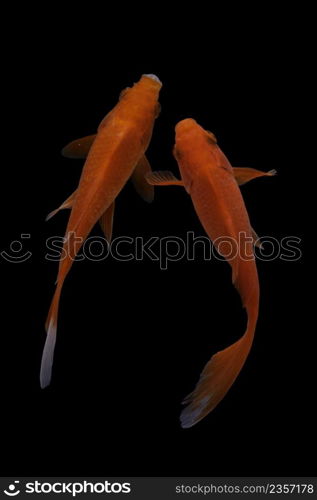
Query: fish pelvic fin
(66, 204)
(256, 239)
(139, 180)
(106, 222)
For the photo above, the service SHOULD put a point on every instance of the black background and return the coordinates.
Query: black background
(132, 339)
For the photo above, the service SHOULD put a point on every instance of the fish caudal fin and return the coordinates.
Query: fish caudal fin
(216, 379)
(48, 351)
(138, 178)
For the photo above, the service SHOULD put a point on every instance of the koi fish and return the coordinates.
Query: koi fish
(114, 154)
(212, 184)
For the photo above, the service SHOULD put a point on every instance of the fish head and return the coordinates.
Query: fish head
(153, 77)
(187, 137)
(185, 125)
(151, 83)
(149, 86)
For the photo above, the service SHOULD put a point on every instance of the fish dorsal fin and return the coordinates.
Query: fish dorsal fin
(106, 222)
(163, 178)
(79, 148)
(139, 180)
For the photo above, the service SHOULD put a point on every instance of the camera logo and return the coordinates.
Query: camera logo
(12, 490)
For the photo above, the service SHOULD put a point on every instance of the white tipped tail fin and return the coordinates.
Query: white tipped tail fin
(48, 355)
(217, 377)
(51, 328)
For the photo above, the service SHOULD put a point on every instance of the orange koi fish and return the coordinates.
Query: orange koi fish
(213, 186)
(114, 154)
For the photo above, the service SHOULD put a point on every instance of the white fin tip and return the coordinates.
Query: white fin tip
(48, 354)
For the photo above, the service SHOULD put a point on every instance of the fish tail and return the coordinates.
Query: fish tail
(51, 328)
(217, 377)
(51, 322)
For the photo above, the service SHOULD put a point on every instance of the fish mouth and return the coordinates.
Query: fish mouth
(184, 124)
(188, 122)
(153, 77)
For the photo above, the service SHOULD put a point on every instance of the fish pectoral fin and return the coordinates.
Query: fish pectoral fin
(163, 178)
(244, 175)
(79, 148)
(106, 222)
(67, 204)
(138, 178)
(256, 239)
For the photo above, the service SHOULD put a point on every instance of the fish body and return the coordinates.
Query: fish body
(209, 179)
(112, 156)
(212, 183)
